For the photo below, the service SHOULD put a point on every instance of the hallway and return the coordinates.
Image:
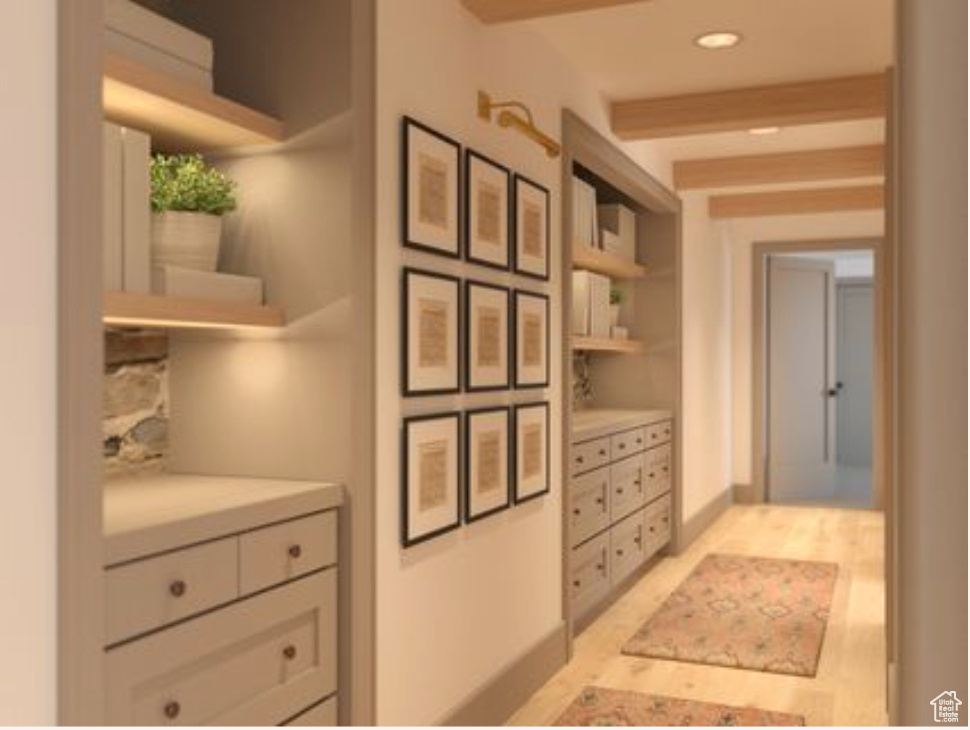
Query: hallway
(849, 688)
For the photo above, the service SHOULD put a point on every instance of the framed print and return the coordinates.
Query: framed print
(531, 317)
(430, 333)
(531, 228)
(486, 337)
(531, 452)
(430, 190)
(429, 485)
(486, 211)
(487, 462)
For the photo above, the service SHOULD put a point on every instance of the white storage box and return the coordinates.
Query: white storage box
(591, 304)
(173, 281)
(621, 222)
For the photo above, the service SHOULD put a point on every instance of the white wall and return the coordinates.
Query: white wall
(742, 234)
(455, 611)
(28, 295)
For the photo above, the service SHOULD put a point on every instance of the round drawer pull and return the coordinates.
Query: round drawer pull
(577, 511)
(638, 539)
(601, 566)
(619, 553)
(637, 483)
(619, 490)
(602, 452)
(666, 468)
(579, 459)
(295, 551)
(652, 474)
(652, 528)
(172, 709)
(600, 500)
(654, 436)
(621, 446)
(177, 588)
(577, 584)
(289, 652)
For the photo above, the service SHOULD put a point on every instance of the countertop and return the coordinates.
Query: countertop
(144, 515)
(592, 423)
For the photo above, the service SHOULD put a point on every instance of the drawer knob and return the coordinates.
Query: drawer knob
(295, 551)
(602, 452)
(652, 528)
(577, 511)
(577, 583)
(639, 440)
(638, 539)
(579, 459)
(289, 652)
(637, 483)
(619, 552)
(619, 490)
(601, 567)
(621, 446)
(653, 436)
(172, 709)
(177, 588)
(666, 468)
(600, 500)
(652, 475)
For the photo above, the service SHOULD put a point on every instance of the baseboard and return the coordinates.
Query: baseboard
(745, 494)
(497, 700)
(707, 516)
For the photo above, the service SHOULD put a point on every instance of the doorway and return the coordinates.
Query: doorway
(814, 373)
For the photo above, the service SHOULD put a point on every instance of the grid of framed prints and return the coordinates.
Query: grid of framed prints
(471, 335)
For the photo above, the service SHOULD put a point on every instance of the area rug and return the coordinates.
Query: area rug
(751, 613)
(597, 706)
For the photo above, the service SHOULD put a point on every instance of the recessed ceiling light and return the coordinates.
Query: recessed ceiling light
(764, 130)
(717, 40)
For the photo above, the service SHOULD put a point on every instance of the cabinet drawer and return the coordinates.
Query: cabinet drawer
(627, 546)
(659, 433)
(249, 664)
(321, 715)
(285, 551)
(589, 499)
(627, 488)
(589, 573)
(590, 455)
(657, 462)
(627, 443)
(154, 592)
(657, 522)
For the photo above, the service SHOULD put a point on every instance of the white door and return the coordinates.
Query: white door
(854, 368)
(801, 366)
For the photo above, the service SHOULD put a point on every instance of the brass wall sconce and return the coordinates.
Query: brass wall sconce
(509, 119)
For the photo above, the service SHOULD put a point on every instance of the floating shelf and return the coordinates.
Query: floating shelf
(179, 116)
(134, 309)
(602, 262)
(605, 344)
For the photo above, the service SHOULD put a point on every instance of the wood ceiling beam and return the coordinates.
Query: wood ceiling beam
(796, 202)
(782, 167)
(782, 105)
(506, 11)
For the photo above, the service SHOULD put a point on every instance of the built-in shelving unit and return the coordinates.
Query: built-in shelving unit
(151, 310)
(178, 115)
(603, 262)
(605, 344)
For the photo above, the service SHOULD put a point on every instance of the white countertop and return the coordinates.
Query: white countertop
(149, 514)
(592, 423)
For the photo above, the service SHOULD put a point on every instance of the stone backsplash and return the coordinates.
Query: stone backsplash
(135, 405)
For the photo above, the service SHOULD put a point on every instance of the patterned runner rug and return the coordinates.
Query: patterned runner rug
(597, 706)
(751, 613)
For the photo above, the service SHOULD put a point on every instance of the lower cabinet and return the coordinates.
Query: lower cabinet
(620, 510)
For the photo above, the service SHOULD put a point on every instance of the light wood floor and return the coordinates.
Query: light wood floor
(849, 688)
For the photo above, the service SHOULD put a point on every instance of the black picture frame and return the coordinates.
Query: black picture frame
(470, 386)
(467, 507)
(517, 182)
(516, 419)
(408, 387)
(410, 237)
(407, 539)
(472, 158)
(520, 382)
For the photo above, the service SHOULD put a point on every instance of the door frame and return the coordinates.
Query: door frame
(841, 286)
(759, 252)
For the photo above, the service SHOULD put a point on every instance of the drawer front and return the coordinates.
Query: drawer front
(152, 593)
(589, 573)
(251, 663)
(659, 433)
(285, 551)
(321, 715)
(627, 443)
(627, 487)
(590, 455)
(657, 518)
(589, 505)
(627, 546)
(658, 470)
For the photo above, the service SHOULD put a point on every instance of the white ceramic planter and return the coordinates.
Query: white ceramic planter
(187, 240)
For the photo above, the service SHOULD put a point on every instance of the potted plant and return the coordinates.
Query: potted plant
(616, 299)
(188, 200)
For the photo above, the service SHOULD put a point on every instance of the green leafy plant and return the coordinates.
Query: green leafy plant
(186, 183)
(616, 296)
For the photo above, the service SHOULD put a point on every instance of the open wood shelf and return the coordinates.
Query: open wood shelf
(134, 309)
(605, 344)
(179, 116)
(603, 262)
